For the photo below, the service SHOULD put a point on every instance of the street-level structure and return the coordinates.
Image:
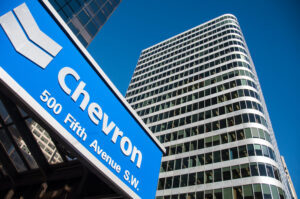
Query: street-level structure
(199, 93)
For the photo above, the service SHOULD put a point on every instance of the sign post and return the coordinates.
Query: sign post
(44, 65)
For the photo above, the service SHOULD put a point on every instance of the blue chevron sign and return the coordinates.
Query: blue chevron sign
(45, 68)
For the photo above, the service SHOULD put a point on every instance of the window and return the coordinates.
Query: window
(225, 155)
(232, 136)
(176, 181)
(257, 191)
(248, 133)
(262, 169)
(242, 151)
(217, 175)
(193, 145)
(192, 179)
(227, 193)
(233, 153)
(254, 169)
(208, 176)
(216, 140)
(161, 183)
(224, 138)
(250, 149)
(255, 133)
(276, 173)
(209, 194)
(235, 172)
(245, 170)
(217, 156)
(201, 144)
(163, 167)
(173, 197)
(218, 194)
(274, 192)
(168, 183)
(237, 192)
(201, 159)
(208, 142)
(200, 195)
(281, 193)
(208, 158)
(183, 181)
(270, 170)
(178, 164)
(265, 151)
(200, 177)
(266, 191)
(170, 165)
(190, 196)
(248, 193)
(192, 162)
(185, 163)
(226, 173)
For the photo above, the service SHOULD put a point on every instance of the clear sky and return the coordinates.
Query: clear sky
(272, 32)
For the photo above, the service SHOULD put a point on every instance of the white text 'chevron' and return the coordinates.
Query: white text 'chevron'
(19, 39)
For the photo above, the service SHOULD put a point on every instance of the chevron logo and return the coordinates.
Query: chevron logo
(33, 43)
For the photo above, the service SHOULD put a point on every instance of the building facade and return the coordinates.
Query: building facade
(85, 17)
(199, 93)
(289, 179)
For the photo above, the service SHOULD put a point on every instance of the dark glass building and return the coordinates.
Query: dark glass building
(85, 17)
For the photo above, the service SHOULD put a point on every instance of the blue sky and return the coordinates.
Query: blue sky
(272, 32)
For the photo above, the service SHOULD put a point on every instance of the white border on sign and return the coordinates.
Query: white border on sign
(22, 94)
(101, 72)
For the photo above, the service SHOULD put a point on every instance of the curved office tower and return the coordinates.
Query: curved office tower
(199, 93)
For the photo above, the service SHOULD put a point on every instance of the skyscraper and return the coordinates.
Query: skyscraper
(199, 93)
(85, 17)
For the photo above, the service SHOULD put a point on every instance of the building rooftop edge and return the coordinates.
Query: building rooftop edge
(227, 14)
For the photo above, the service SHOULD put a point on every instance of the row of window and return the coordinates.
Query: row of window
(240, 134)
(205, 114)
(203, 93)
(213, 157)
(216, 140)
(194, 95)
(186, 36)
(185, 81)
(198, 46)
(173, 85)
(171, 69)
(220, 174)
(192, 87)
(250, 191)
(175, 77)
(201, 104)
(205, 103)
(175, 70)
(224, 33)
(162, 66)
(233, 50)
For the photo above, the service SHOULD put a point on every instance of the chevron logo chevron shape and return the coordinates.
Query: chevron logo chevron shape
(39, 48)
